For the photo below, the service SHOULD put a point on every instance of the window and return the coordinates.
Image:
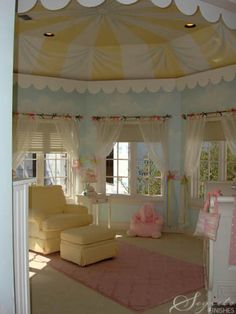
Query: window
(118, 169)
(147, 174)
(231, 166)
(27, 169)
(130, 171)
(216, 164)
(49, 169)
(55, 169)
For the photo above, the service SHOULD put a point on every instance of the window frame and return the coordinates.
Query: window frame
(222, 172)
(133, 178)
(40, 169)
(117, 159)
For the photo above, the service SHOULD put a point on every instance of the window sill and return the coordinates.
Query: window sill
(133, 199)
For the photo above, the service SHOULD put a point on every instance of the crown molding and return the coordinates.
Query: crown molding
(201, 79)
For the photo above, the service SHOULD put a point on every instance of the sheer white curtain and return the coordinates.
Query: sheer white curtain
(194, 134)
(23, 128)
(228, 122)
(68, 130)
(108, 131)
(32, 133)
(155, 136)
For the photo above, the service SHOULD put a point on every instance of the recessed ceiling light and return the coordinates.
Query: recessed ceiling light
(49, 34)
(190, 25)
(25, 17)
(217, 60)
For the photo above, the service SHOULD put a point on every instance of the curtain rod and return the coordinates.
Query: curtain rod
(125, 118)
(47, 115)
(205, 114)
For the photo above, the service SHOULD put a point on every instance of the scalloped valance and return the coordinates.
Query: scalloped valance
(154, 85)
(211, 12)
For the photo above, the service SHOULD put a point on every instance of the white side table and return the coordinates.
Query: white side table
(91, 200)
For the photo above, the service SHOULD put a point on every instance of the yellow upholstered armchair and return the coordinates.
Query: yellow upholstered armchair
(49, 214)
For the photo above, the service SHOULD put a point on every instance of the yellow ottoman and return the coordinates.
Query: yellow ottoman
(88, 244)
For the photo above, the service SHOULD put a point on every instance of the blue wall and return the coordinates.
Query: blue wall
(211, 97)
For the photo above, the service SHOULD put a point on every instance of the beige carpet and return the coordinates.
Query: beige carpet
(54, 293)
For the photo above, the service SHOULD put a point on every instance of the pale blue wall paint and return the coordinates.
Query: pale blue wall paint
(45, 101)
(211, 97)
(129, 104)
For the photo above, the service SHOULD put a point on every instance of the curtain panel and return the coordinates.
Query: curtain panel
(108, 131)
(155, 137)
(228, 122)
(23, 128)
(194, 135)
(155, 134)
(68, 130)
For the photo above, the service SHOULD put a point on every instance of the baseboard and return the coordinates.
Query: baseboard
(116, 225)
(124, 225)
(173, 229)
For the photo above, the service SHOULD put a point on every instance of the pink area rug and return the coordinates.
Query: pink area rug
(137, 278)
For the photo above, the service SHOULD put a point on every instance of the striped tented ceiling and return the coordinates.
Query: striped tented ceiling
(115, 42)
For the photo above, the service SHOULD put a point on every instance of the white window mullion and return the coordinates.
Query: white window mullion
(40, 168)
(116, 158)
(132, 162)
(222, 161)
(208, 163)
(69, 176)
(55, 162)
(148, 182)
(118, 170)
(195, 186)
(195, 182)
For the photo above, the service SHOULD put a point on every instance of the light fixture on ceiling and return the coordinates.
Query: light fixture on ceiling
(49, 34)
(25, 17)
(216, 60)
(190, 25)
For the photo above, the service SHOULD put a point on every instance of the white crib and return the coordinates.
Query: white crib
(221, 276)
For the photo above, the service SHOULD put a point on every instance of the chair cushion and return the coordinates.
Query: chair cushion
(87, 235)
(66, 221)
(75, 209)
(35, 231)
(45, 201)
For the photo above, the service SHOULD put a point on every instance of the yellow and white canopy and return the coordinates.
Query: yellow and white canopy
(115, 42)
